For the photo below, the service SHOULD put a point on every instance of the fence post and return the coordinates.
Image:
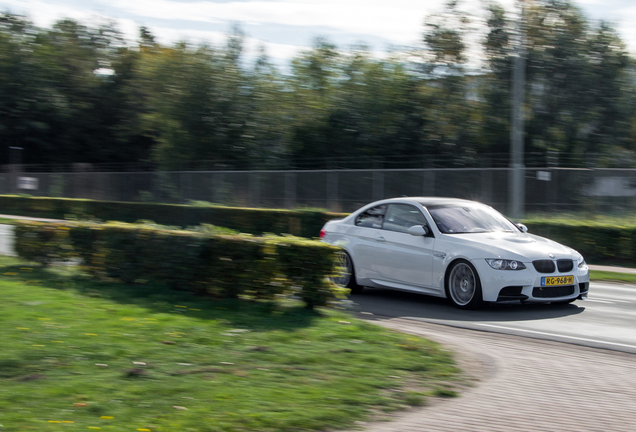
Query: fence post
(553, 162)
(486, 182)
(332, 190)
(290, 190)
(378, 181)
(254, 189)
(428, 182)
(217, 187)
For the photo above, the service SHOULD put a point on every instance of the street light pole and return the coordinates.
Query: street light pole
(516, 177)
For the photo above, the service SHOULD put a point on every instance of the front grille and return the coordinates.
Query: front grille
(544, 266)
(552, 292)
(565, 265)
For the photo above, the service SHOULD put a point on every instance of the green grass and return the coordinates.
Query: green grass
(81, 355)
(597, 275)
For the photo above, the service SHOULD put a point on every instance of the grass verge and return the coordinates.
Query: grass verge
(82, 355)
(597, 276)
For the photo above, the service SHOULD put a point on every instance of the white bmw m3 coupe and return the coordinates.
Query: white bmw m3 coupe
(459, 249)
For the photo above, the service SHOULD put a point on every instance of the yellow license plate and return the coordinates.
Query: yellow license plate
(557, 280)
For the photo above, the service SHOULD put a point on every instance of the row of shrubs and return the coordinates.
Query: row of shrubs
(303, 223)
(597, 242)
(224, 266)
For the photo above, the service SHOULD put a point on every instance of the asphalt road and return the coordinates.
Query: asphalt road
(606, 320)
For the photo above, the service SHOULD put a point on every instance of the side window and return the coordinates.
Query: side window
(401, 217)
(372, 218)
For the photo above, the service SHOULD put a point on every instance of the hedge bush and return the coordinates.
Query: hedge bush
(303, 223)
(597, 242)
(224, 266)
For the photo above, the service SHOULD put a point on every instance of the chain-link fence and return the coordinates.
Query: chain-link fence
(547, 189)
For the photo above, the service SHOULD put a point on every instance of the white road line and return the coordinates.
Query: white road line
(608, 300)
(598, 301)
(560, 336)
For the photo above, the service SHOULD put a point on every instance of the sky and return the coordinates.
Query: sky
(286, 27)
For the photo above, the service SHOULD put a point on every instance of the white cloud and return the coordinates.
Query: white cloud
(400, 21)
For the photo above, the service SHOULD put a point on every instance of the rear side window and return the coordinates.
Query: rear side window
(372, 218)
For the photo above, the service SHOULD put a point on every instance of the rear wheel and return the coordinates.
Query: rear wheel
(347, 279)
(463, 287)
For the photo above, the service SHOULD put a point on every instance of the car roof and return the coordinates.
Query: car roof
(434, 201)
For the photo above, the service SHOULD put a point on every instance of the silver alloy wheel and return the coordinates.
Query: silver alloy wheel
(345, 267)
(462, 284)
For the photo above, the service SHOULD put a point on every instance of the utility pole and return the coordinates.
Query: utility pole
(517, 172)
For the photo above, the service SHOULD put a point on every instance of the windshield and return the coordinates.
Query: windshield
(470, 218)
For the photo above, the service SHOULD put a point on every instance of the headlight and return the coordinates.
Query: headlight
(502, 264)
(582, 263)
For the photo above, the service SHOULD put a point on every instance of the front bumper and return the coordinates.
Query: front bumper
(525, 285)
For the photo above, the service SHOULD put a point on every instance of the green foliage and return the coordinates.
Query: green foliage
(222, 266)
(598, 242)
(303, 223)
(295, 256)
(578, 85)
(78, 93)
(44, 244)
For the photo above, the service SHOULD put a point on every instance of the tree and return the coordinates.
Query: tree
(576, 74)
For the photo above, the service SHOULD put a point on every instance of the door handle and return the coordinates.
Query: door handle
(380, 239)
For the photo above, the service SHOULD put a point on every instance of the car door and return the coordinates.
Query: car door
(365, 234)
(399, 257)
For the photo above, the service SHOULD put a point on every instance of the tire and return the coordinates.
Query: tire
(463, 287)
(348, 278)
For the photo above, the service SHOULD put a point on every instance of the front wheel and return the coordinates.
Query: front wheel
(463, 287)
(347, 278)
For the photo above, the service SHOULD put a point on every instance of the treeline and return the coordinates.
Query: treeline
(82, 94)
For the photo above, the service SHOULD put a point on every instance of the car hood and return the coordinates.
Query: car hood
(517, 246)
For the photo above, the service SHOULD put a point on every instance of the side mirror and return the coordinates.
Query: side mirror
(522, 228)
(418, 230)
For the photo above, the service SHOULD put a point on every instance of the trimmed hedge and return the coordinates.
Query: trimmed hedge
(597, 242)
(303, 223)
(224, 266)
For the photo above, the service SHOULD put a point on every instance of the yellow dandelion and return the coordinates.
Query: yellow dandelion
(180, 306)
(107, 417)
(22, 328)
(94, 427)
(90, 334)
(195, 310)
(10, 274)
(37, 345)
